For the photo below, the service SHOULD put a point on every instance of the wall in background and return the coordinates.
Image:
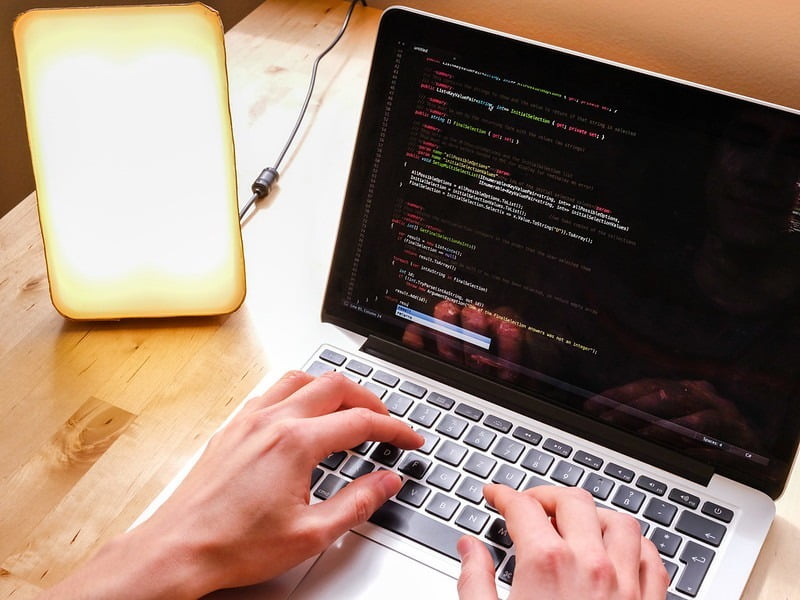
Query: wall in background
(747, 47)
(751, 48)
(16, 177)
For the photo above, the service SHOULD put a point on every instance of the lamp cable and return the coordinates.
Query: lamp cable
(265, 180)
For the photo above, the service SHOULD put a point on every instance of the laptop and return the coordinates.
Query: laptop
(561, 271)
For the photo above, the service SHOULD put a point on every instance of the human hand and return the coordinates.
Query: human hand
(242, 515)
(508, 338)
(566, 548)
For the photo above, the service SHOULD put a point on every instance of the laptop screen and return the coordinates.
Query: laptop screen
(618, 243)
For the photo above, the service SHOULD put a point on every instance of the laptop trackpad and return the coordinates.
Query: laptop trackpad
(357, 568)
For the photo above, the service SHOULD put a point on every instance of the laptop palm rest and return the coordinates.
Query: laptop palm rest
(359, 569)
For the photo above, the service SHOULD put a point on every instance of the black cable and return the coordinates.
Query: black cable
(263, 183)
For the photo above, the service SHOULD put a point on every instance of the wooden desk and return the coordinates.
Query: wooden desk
(95, 418)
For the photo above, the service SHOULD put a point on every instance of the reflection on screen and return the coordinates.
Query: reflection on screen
(633, 256)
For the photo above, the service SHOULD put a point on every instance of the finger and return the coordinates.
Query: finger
(287, 385)
(526, 520)
(575, 513)
(348, 428)
(476, 581)
(653, 577)
(622, 536)
(534, 536)
(446, 346)
(328, 393)
(352, 505)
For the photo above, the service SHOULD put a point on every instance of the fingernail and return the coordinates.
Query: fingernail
(390, 483)
(464, 547)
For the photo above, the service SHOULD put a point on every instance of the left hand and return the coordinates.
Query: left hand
(243, 515)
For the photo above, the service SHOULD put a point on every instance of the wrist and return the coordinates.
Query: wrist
(142, 563)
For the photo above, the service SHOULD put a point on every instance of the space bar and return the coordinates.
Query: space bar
(428, 532)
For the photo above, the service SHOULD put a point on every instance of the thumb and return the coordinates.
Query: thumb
(476, 581)
(355, 503)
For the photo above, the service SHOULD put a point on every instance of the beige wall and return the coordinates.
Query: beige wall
(751, 47)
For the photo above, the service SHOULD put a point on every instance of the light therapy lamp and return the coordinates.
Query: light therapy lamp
(132, 147)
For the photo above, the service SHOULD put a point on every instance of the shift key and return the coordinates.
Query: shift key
(427, 531)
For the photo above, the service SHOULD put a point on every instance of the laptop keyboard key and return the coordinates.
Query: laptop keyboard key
(667, 542)
(315, 475)
(427, 531)
(451, 426)
(567, 473)
(430, 441)
(618, 472)
(470, 489)
(479, 465)
(334, 459)
(536, 461)
(318, 368)
(412, 389)
(413, 493)
(509, 476)
(414, 466)
(534, 481)
(628, 498)
(651, 485)
(506, 574)
(480, 438)
(386, 379)
(508, 449)
(443, 506)
(376, 389)
(498, 533)
(697, 558)
(329, 486)
(386, 454)
(441, 401)
(356, 467)
(333, 357)
(443, 477)
(600, 487)
(659, 511)
(451, 453)
(424, 415)
(470, 412)
(526, 435)
(472, 519)
(684, 498)
(557, 447)
(398, 404)
(359, 368)
(718, 512)
(495, 422)
(588, 460)
(700, 528)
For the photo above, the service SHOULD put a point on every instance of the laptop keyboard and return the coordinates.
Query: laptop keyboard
(465, 448)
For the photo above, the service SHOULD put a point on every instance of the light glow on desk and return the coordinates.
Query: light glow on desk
(132, 147)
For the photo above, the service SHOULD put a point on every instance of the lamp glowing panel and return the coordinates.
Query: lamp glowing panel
(132, 146)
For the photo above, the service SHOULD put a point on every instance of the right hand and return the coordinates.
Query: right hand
(566, 548)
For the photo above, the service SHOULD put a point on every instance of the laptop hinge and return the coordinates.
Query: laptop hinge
(541, 410)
